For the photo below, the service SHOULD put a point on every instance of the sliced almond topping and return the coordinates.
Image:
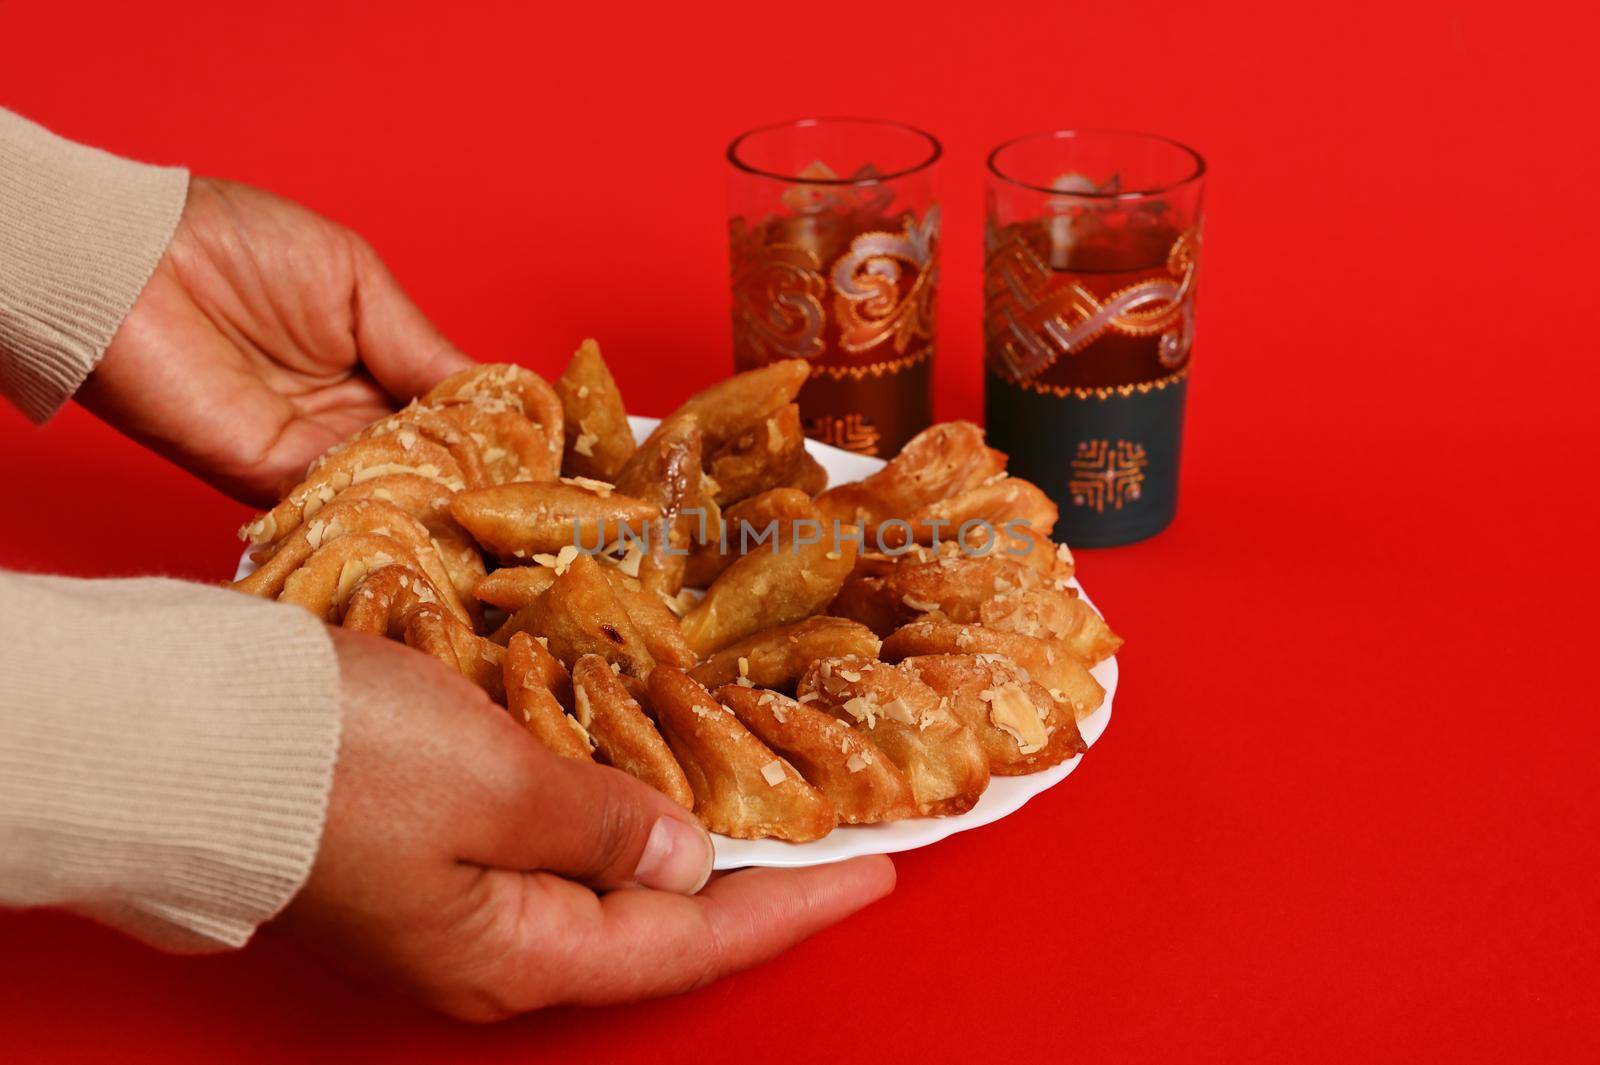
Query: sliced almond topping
(588, 741)
(773, 773)
(581, 705)
(599, 488)
(1013, 712)
(856, 762)
(922, 605)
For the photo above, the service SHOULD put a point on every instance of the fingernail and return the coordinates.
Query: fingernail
(677, 857)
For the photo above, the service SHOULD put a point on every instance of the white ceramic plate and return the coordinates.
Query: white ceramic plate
(1005, 796)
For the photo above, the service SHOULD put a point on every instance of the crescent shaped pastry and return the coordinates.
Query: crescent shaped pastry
(623, 735)
(741, 787)
(861, 783)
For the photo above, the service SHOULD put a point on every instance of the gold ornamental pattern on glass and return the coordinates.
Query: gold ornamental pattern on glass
(882, 291)
(1107, 473)
(1031, 320)
(778, 289)
(851, 432)
(884, 285)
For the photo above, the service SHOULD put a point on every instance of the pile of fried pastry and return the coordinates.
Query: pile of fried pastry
(819, 680)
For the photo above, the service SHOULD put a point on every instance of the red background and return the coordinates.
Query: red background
(1347, 807)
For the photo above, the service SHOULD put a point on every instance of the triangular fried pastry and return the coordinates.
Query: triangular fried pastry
(533, 679)
(741, 788)
(909, 722)
(513, 447)
(776, 658)
(763, 455)
(384, 599)
(515, 588)
(433, 631)
(580, 614)
(324, 582)
(784, 506)
(1048, 664)
(343, 517)
(809, 476)
(666, 473)
(768, 588)
(861, 783)
(361, 461)
(505, 385)
(518, 522)
(623, 736)
(599, 441)
(1022, 729)
(727, 407)
(1049, 614)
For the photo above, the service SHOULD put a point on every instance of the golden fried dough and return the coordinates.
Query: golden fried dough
(1052, 667)
(512, 447)
(777, 657)
(863, 785)
(1048, 614)
(324, 582)
(599, 441)
(727, 407)
(666, 473)
(1022, 729)
(343, 517)
(361, 461)
(768, 588)
(956, 586)
(426, 501)
(909, 722)
(976, 517)
(504, 385)
(623, 735)
(809, 476)
(519, 521)
(581, 614)
(532, 679)
(741, 788)
(384, 599)
(433, 631)
(413, 420)
(783, 506)
(516, 587)
(764, 454)
(941, 461)
(868, 602)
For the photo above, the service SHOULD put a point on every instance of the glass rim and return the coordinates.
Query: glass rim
(1193, 176)
(935, 150)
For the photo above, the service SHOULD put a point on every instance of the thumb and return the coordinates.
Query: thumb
(402, 350)
(596, 825)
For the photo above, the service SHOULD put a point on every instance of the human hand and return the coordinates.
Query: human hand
(266, 335)
(466, 864)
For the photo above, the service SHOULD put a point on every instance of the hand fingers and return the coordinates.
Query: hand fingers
(578, 949)
(402, 350)
(593, 824)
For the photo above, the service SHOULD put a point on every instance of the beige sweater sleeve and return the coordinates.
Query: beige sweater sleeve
(166, 752)
(81, 232)
(166, 749)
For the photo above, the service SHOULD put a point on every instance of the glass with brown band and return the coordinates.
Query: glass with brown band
(1092, 242)
(834, 245)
